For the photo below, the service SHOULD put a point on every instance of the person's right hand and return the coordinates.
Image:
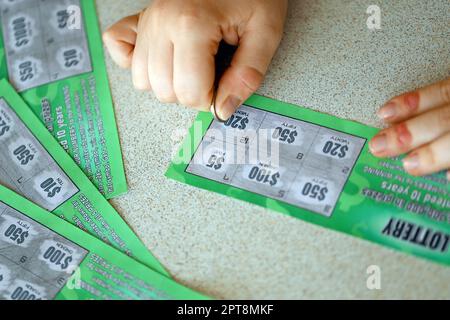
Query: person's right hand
(171, 46)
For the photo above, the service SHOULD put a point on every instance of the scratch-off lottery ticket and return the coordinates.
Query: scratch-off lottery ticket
(43, 257)
(51, 51)
(34, 165)
(317, 168)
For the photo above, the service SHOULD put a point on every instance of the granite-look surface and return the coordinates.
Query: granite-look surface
(226, 248)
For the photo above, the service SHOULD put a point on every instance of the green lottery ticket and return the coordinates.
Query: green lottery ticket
(317, 168)
(51, 51)
(44, 257)
(34, 165)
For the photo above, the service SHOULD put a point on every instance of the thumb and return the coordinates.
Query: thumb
(247, 70)
(120, 40)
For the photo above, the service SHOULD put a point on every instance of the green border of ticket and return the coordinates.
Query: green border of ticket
(354, 214)
(156, 286)
(130, 242)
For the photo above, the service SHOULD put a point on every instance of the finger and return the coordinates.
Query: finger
(160, 70)
(193, 67)
(431, 158)
(413, 103)
(120, 40)
(448, 175)
(409, 135)
(248, 67)
(139, 67)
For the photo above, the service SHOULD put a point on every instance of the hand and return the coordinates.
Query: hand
(171, 46)
(420, 126)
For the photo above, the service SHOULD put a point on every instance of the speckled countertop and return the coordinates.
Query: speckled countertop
(330, 62)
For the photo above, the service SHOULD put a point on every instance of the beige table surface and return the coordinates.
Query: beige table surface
(226, 248)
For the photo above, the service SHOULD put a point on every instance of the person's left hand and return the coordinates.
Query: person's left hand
(420, 126)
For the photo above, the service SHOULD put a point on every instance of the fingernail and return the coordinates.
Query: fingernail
(229, 107)
(378, 144)
(387, 111)
(412, 100)
(411, 162)
(214, 112)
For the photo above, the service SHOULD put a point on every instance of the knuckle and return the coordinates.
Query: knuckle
(274, 34)
(431, 155)
(107, 36)
(444, 88)
(159, 5)
(403, 136)
(156, 13)
(188, 20)
(444, 117)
